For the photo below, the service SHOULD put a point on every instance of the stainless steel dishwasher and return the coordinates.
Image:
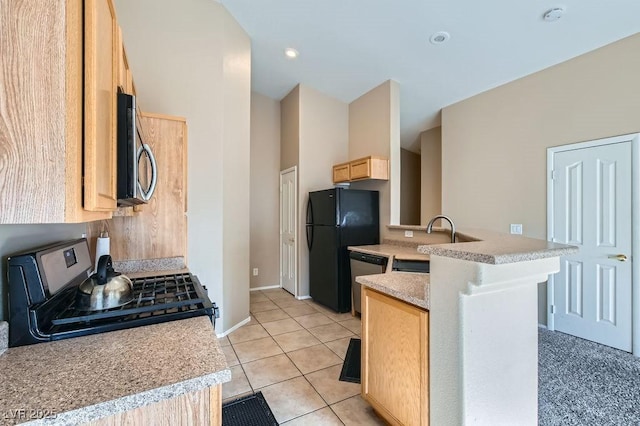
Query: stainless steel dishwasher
(364, 264)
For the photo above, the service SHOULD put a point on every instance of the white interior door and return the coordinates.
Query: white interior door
(592, 209)
(288, 227)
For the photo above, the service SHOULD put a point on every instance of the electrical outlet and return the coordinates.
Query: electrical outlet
(408, 234)
(516, 228)
(255, 272)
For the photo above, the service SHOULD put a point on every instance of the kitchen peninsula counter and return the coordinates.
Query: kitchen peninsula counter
(91, 377)
(480, 246)
(476, 315)
(497, 249)
(484, 246)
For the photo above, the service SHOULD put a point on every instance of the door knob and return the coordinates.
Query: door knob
(291, 240)
(619, 257)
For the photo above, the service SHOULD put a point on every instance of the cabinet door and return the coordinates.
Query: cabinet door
(33, 134)
(101, 74)
(360, 169)
(341, 173)
(369, 168)
(395, 354)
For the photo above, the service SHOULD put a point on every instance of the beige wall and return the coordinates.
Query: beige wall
(494, 144)
(409, 188)
(265, 195)
(18, 238)
(374, 129)
(315, 132)
(236, 158)
(190, 58)
(324, 136)
(431, 174)
(290, 129)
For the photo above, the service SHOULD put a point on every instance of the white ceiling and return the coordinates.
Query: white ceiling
(347, 47)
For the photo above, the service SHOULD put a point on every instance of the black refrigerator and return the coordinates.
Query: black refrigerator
(338, 218)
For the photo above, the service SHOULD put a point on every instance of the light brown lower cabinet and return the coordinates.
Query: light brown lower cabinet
(395, 358)
(195, 408)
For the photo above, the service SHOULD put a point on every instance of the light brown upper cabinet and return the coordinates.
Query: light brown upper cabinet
(371, 167)
(341, 173)
(42, 144)
(101, 55)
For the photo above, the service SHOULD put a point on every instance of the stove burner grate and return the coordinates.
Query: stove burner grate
(153, 296)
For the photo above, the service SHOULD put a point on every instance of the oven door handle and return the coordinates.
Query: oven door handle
(146, 194)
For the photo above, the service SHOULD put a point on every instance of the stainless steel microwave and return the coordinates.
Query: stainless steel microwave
(137, 169)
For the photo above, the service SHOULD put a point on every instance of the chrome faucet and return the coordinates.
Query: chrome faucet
(441, 216)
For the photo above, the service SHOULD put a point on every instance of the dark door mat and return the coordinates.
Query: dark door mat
(248, 410)
(351, 366)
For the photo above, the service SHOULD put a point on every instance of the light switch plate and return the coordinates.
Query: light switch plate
(408, 234)
(255, 272)
(516, 228)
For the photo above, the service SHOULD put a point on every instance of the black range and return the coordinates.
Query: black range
(42, 294)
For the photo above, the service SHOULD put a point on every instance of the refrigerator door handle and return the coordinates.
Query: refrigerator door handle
(309, 236)
(309, 211)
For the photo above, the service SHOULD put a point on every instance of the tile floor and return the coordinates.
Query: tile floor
(292, 351)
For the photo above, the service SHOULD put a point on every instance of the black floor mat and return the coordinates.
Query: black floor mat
(351, 366)
(249, 410)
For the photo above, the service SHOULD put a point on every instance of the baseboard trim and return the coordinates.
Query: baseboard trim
(234, 328)
(266, 287)
(303, 297)
(542, 326)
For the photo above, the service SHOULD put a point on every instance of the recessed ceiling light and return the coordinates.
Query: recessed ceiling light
(291, 53)
(553, 14)
(439, 37)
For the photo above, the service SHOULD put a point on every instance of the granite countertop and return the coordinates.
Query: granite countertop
(499, 249)
(387, 249)
(492, 247)
(90, 377)
(409, 287)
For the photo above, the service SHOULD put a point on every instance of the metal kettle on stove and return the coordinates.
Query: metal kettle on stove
(106, 289)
